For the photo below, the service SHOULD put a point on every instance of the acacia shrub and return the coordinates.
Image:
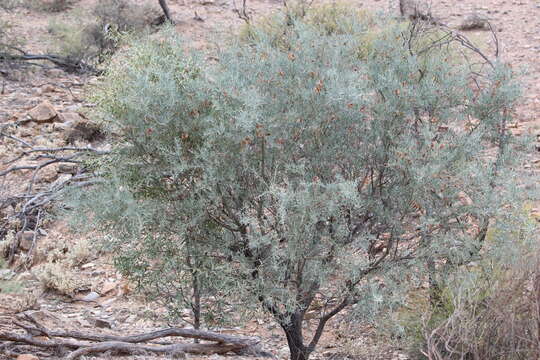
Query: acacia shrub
(289, 176)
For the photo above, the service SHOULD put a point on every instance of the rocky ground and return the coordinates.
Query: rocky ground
(50, 109)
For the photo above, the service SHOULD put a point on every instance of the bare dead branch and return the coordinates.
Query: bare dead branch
(242, 12)
(64, 63)
(83, 344)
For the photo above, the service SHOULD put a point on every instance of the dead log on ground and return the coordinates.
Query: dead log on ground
(75, 344)
(12, 54)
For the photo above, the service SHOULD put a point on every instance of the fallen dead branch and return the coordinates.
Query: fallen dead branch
(74, 344)
(17, 55)
(27, 199)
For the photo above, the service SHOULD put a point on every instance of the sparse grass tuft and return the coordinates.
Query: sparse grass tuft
(52, 6)
(58, 277)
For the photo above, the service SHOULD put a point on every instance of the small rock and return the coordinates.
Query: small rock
(47, 88)
(6, 274)
(103, 324)
(62, 179)
(91, 296)
(27, 357)
(62, 126)
(69, 117)
(178, 355)
(45, 315)
(26, 238)
(25, 132)
(25, 276)
(84, 130)
(72, 108)
(108, 287)
(48, 174)
(68, 169)
(474, 22)
(43, 112)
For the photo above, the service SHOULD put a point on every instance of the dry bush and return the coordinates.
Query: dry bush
(499, 320)
(53, 6)
(9, 4)
(16, 296)
(80, 253)
(56, 5)
(125, 15)
(58, 277)
(56, 273)
(71, 254)
(487, 310)
(5, 243)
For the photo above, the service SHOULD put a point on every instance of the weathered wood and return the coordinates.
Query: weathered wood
(77, 343)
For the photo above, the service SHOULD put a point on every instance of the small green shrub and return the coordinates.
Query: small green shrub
(72, 40)
(11, 287)
(54, 6)
(334, 18)
(125, 15)
(8, 5)
(95, 39)
(8, 42)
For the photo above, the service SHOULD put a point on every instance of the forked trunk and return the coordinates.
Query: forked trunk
(295, 340)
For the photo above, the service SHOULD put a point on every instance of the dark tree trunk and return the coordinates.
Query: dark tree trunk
(295, 339)
(196, 303)
(166, 10)
(196, 296)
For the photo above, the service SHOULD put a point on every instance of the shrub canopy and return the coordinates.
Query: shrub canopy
(310, 173)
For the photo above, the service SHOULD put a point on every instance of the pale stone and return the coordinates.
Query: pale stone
(48, 174)
(27, 357)
(43, 112)
(26, 238)
(92, 296)
(108, 287)
(103, 324)
(69, 117)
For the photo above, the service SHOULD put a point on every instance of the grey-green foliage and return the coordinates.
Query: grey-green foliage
(148, 201)
(301, 177)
